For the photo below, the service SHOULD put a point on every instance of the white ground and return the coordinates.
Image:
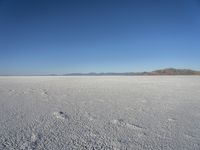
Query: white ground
(151, 113)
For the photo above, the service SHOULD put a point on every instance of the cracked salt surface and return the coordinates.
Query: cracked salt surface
(116, 113)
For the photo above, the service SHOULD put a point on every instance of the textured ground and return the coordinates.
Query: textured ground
(151, 113)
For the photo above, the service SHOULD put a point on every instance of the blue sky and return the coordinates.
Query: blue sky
(54, 36)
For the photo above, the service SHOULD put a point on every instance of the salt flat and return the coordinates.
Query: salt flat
(138, 112)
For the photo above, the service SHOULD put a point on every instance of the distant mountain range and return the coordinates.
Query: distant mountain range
(167, 71)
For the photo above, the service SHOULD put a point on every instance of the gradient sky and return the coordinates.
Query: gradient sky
(54, 36)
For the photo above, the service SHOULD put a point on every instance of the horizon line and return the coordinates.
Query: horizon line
(130, 73)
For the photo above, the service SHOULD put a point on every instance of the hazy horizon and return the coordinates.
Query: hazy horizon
(129, 73)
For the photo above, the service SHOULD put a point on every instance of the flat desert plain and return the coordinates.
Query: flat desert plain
(93, 112)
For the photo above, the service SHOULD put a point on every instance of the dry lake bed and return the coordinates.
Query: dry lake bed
(91, 112)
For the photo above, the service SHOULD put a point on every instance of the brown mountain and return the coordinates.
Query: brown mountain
(173, 71)
(167, 71)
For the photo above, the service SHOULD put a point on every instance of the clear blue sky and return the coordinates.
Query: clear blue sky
(46, 36)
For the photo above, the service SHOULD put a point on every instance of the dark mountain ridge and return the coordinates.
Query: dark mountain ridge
(167, 71)
(173, 71)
